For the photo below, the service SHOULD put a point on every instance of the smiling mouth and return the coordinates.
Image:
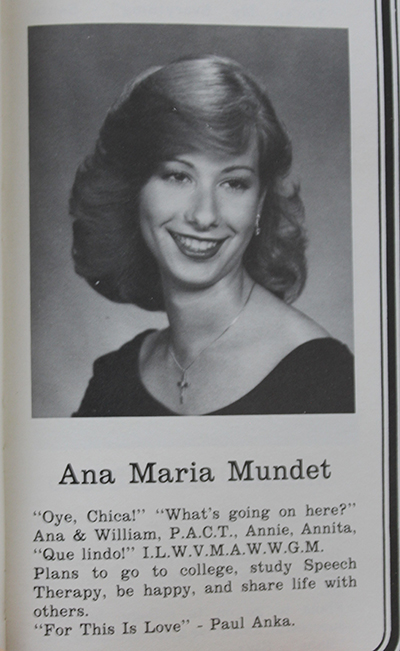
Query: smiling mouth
(195, 247)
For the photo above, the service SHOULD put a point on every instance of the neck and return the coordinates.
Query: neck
(197, 317)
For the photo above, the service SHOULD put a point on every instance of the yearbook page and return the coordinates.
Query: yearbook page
(201, 260)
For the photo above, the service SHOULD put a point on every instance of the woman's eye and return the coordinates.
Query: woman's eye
(176, 177)
(237, 184)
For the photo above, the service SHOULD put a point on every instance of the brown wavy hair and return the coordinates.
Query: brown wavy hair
(209, 104)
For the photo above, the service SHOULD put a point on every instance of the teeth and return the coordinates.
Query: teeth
(196, 245)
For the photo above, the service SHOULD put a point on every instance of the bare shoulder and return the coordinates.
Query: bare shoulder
(300, 325)
(285, 325)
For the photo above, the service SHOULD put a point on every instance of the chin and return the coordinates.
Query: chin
(197, 276)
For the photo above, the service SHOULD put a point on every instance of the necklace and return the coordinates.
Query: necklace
(183, 384)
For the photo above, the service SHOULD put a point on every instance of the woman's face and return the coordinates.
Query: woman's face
(198, 212)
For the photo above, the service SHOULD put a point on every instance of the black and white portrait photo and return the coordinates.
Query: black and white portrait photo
(191, 248)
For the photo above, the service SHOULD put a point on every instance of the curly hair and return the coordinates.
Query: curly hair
(210, 104)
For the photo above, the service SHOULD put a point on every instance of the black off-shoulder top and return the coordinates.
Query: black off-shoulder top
(317, 377)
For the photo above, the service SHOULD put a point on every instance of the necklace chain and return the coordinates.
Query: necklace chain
(183, 384)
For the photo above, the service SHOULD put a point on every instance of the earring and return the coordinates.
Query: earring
(257, 229)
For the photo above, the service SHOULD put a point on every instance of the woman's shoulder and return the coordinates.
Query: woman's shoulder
(307, 370)
(323, 355)
(316, 377)
(126, 354)
(294, 325)
(115, 387)
(274, 329)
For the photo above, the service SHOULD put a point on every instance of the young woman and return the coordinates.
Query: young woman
(182, 208)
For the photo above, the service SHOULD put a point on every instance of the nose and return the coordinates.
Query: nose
(203, 213)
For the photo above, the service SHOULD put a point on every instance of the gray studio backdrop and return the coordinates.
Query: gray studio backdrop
(76, 72)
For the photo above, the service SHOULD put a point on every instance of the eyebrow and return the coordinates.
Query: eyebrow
(230, 168)
(239, 167)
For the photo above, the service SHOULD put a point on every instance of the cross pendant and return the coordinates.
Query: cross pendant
(182, 384)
